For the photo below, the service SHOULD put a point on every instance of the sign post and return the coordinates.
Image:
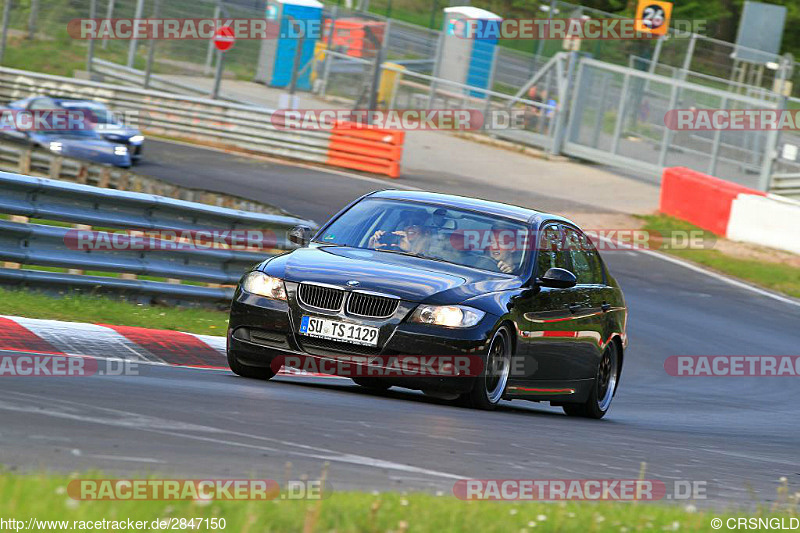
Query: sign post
(224, 40)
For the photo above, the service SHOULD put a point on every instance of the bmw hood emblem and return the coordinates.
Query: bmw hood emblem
(353, 283)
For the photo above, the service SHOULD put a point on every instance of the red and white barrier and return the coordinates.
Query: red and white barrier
(731, 210)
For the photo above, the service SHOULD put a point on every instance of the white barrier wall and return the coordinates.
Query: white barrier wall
(766, 220)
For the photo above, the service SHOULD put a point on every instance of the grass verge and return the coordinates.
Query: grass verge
(96, 309)
(45, 497)
(771, 275)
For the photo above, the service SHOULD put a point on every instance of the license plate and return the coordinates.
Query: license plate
(339, 331)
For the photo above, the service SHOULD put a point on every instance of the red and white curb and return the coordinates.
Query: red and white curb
(103, 341)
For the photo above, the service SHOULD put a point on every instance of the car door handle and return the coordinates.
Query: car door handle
(606, 307)
(574, 308)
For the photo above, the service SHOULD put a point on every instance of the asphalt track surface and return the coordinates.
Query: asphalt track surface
(738, 435)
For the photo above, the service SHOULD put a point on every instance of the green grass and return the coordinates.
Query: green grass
(44, 497)
(779, 277)
(96, 309)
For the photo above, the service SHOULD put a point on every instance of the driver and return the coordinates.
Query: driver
(415, 237)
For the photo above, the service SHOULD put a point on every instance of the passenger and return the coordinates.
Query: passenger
(502, 250)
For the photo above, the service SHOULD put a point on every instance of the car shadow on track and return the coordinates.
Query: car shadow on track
(520, 408)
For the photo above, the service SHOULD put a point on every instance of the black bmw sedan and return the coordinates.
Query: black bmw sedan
(399, 274)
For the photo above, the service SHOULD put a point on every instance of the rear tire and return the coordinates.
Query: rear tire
(246, 371)
(603, 389)
(375, 384)
(490, 386)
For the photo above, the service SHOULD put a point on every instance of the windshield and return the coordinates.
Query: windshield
(94, 113)
(444, 234)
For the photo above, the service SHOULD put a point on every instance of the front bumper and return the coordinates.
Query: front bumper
(261, 330)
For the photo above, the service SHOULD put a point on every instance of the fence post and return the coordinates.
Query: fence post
(435, 72)
(712, 164)
(151, 52)
(326, 69)
(134, 41)
(34, 14)
(109, 15)
(561, 111)
(90, 47)
(6, 12)
(620, 113)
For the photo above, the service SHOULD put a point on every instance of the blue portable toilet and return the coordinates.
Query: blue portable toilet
(468, 46)
(277, 55)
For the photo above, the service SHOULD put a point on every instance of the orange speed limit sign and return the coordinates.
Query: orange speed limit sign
(652, 16)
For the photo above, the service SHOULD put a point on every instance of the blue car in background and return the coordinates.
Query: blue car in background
(107, 124)
(82, 142)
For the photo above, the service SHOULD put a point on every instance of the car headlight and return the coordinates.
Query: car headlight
(451, 316)
(263, 285)
(136, 139)
(120, 150)
(55, 146)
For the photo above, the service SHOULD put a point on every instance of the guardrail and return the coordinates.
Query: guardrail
(29, 160)
(218, 262)
(136, 78)
(245, 127)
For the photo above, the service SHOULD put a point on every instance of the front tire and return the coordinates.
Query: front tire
(603, 390)
(490, 386)
(246, 371)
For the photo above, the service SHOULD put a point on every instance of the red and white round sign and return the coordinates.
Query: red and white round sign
(224, 38)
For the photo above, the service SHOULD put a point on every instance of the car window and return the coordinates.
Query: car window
(42, 103)
(551, 250)
(448, 234)
(586, 263)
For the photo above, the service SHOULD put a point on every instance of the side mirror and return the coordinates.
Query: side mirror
(558, 278)
(300, 235)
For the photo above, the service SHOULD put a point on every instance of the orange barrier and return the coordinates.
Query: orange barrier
(350, 36)
(698, 198)
(366, 148)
